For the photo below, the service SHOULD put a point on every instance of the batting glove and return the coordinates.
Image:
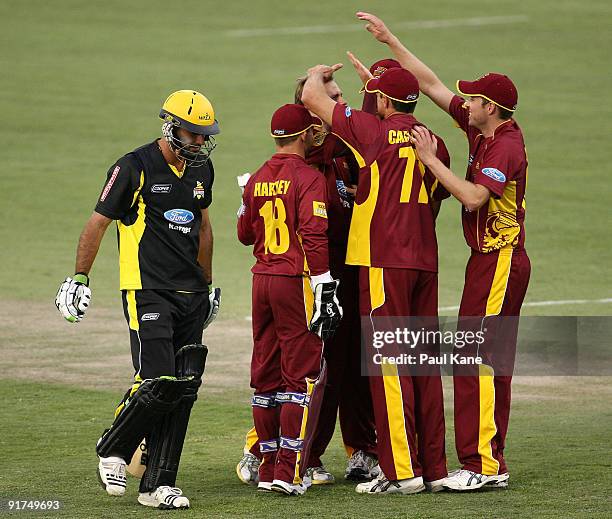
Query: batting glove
(242, 181)
(327, 311)
(73, 298)
(214, 297)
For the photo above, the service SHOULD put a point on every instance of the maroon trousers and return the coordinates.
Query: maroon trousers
(409, 410)
(347, 391)
(286, 361)
(495, 285)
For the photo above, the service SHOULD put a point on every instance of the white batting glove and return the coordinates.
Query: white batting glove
(214, 296)
(242, 181)
(73, 298)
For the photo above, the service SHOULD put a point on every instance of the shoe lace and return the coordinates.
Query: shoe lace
(379, 481)
(464, 472)
(165, 489)
(252, 462)
(120, 470)
(115, 469)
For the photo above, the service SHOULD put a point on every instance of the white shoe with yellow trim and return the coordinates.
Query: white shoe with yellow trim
(319, 476)
(381, 485)
(247, 469)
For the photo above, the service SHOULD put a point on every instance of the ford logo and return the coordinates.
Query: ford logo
(179, 216)
(495, 174)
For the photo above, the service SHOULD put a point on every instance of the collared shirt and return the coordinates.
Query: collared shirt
(500, 164)
(284, 216)
(392, 224)
(158, 217)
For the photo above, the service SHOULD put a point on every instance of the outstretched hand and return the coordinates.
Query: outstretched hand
(376, 26)
(425, 143)
(324, 71)
(362, 71)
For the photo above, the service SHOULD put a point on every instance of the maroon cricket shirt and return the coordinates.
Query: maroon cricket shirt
(284, 215)
(393, 224)
(500, 164)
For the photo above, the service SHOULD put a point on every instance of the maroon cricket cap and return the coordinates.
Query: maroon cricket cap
(497, 88)
(397, 84)
(382, 65)
(290, 120)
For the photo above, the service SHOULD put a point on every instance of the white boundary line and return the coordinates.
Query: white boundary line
(547, 303)
(533, 303)
(355, 27)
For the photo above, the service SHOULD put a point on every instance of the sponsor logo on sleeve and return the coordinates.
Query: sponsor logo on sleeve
(110, 183)
(161, 188)
(347, 111)
(150, 317)
(181, 216)
(319, 209)
(495, 174)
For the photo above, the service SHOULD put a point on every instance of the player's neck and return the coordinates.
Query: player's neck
(295, 148)
(488, 129)
(169, 156)
(391, 113)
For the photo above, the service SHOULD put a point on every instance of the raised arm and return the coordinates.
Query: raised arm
(315, 97)
(429, 83)
(362, 71)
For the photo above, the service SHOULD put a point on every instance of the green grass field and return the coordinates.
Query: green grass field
(81, 85)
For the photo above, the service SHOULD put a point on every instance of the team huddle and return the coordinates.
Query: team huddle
(342, 222)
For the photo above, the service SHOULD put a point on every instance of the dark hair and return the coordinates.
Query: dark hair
(299, 88)
(504, 114)
(285, 141)
(405, 108)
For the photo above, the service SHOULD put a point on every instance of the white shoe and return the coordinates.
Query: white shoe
(248, 469)
(165, 498)
(111, 474)
(283, 487)
(499, 481)
(465, 480)
(319, 476)
(264, 486)
(381, 485)
(435, 486)
(362, 467)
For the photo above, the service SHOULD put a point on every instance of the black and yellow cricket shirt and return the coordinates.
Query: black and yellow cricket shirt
(158, 213)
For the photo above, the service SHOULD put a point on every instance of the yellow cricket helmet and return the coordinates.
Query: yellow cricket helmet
(192, 111)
